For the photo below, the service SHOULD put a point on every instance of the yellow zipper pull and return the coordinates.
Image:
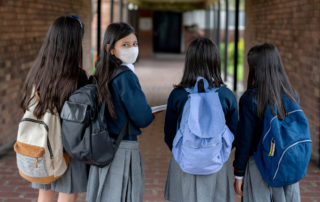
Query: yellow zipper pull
(36, 163)
(272, 148)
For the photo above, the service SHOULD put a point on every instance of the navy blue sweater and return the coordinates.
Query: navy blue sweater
(129, 102)
(248, 132)
(177, 100)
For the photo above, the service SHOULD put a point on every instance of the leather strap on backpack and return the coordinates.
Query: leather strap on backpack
(119, 70)
(123, 132)
(124, 128)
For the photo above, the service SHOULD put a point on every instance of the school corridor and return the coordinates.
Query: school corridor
(157, 77)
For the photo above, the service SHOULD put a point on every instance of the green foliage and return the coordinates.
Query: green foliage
(231, 56)
(93, 70)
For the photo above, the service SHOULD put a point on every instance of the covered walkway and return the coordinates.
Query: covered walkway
(157, 83)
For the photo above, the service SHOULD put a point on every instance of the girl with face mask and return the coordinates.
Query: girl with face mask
(123, 179)
(126, 49)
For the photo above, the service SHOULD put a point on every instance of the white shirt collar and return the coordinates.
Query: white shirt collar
(130, 66)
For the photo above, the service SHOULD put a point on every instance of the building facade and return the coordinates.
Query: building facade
(294, 27)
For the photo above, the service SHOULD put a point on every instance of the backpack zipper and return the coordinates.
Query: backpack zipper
(264, 137)
(283, 153)
(50, 152)
(47, 129)
(202, 147)
(36, 121)
(272, 147)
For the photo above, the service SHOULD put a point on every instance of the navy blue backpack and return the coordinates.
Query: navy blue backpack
(284, 150)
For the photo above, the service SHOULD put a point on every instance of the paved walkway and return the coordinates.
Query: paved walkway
(157, 79)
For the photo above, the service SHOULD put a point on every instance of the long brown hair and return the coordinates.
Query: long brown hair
(108, 63)
(202, 59)
(267, 73)
(55, 72)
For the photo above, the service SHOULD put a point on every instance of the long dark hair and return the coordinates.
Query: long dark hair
(107, 63)
(266, 72)
(55, 72)
(202, 59)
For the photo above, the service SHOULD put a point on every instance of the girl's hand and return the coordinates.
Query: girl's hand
(238, 186)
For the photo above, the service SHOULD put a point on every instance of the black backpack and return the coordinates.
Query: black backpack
(84, 130)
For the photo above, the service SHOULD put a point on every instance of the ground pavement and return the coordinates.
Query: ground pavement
(157, 78)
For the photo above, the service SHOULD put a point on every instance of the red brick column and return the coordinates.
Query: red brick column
(23, 26)
(294, 27)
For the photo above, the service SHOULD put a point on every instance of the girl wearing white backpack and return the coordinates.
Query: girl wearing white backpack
(202, 62)
(55, 74)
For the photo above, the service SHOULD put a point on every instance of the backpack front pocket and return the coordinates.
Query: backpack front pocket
(200, 156)
(290, 167)
(31, 166)
(31, 159)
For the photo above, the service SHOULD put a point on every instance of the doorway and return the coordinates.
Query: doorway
(167, 32)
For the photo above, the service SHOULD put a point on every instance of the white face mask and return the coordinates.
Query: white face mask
(128, 55)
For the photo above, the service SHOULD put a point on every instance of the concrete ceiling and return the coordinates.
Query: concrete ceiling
(172, 4)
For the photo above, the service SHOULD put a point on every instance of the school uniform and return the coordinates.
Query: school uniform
(123, 179)
(75, 179)
(249, 132)
(184, 187)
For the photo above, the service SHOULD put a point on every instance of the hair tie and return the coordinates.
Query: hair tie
(77, 18)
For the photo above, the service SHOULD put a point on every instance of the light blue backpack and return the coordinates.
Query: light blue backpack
(203, 141)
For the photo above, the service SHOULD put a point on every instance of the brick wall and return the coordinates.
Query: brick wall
(294, 27)
(23, 26)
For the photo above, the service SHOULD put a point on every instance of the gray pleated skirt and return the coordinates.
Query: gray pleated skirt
(256, 190)
(184, 187)
(74, 180)
(122, 180)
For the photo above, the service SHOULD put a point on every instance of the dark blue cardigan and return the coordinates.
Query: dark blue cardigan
(248, 132)
(177, 100)
(129, 102)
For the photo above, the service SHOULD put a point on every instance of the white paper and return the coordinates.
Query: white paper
(158, 108)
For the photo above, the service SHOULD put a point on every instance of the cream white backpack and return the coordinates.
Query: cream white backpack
(39, 150)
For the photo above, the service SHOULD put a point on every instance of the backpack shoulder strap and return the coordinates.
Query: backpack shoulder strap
(122, 68)
(118, 71)
(123, 132)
